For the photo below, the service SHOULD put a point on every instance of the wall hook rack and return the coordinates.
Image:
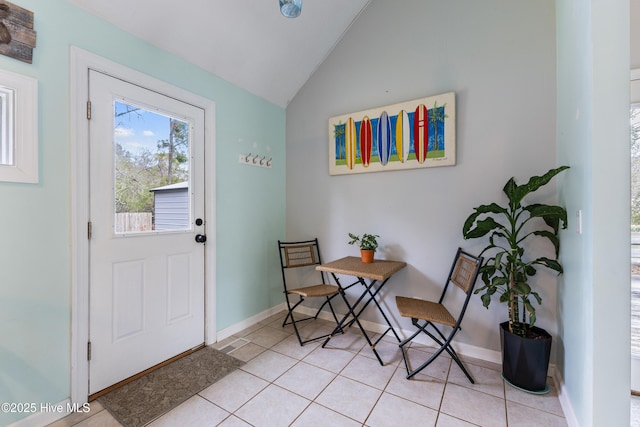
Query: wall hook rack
(256, 160)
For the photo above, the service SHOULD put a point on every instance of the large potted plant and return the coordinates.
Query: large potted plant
(368, 244)
(508, 271)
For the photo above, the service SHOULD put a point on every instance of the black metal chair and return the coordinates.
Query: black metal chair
(304, 255)
(463, 275)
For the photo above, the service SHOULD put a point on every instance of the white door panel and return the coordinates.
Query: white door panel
(146, 285)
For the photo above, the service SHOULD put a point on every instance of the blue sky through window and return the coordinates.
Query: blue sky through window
(139, 129)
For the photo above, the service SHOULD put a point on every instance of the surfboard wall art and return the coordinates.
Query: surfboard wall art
(403, 136)
(350, 137)
(366, 139)
(384, 138)
(420, 133)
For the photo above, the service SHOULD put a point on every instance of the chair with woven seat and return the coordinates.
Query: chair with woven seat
(304, 255)
(424, 314)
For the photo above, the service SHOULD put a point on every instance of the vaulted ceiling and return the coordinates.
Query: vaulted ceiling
(246, 42)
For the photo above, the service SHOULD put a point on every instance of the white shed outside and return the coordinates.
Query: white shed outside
(171, 206)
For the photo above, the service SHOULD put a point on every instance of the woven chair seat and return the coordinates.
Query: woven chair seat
(315, 291)
(427, 316)
(424, 310)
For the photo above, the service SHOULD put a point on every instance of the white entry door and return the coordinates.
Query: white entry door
(146, 292)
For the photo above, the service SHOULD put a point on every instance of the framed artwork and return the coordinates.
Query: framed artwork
(414, 134)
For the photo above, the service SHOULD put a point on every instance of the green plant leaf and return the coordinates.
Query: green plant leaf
(509, 189)
(549, 263)
(493, 208)
(521, 288)
(552, 215)
(531, 311)
(553, 238)
(535, 182)
(483, 227)
(537, 297)
(486, 300)
(530, 270)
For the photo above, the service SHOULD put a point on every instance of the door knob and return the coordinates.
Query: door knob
(201, 238)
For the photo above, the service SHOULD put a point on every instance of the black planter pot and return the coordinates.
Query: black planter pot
(525, 361)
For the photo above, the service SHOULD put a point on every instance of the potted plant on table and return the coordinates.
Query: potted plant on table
(368, 244)
(507, 272)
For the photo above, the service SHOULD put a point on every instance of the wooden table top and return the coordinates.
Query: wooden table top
(353, 266)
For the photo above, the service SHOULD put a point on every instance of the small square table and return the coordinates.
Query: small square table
(377, 271)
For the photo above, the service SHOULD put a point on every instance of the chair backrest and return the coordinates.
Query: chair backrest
(298, 254)
(464, 273)
(465, 270)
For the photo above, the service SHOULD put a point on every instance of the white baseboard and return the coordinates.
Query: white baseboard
(565, 403)
(240, 326)
(49, 413)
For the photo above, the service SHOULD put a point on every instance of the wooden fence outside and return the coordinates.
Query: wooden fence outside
(133, 221)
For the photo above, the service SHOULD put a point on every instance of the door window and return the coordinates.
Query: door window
(151, 171)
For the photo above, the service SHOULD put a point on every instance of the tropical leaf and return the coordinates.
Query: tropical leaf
(480, 210)
(531, 311)
(509, 189)
(486, 300)
(482, 227)
(537, 297)
(553, 238)
(521, 288)
(552, 215)
(535, 182)
(549, 263)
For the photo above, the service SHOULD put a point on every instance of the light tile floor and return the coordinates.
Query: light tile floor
(284, 384)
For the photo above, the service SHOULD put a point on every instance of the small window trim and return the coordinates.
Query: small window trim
(24, 130)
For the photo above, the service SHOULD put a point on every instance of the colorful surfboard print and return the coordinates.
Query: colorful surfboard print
(421, 133)
(350, 138)
(365, 141)
(384, 138)
(403, 136)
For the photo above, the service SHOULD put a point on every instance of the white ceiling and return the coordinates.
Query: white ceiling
(246, 42)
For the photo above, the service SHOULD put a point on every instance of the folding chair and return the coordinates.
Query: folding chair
(304, 254)
(463, 274)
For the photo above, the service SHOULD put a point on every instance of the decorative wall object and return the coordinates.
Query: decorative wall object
(408, 135)
(17, 37)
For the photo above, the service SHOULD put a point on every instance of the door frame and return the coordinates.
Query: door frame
(634, 76)
(80, 63)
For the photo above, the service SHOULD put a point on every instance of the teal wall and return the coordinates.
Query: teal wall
(593, 138)
(35, 244)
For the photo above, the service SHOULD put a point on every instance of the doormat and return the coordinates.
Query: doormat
(147, 398)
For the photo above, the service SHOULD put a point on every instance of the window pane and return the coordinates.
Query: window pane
(152, 171)
(6, 126)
